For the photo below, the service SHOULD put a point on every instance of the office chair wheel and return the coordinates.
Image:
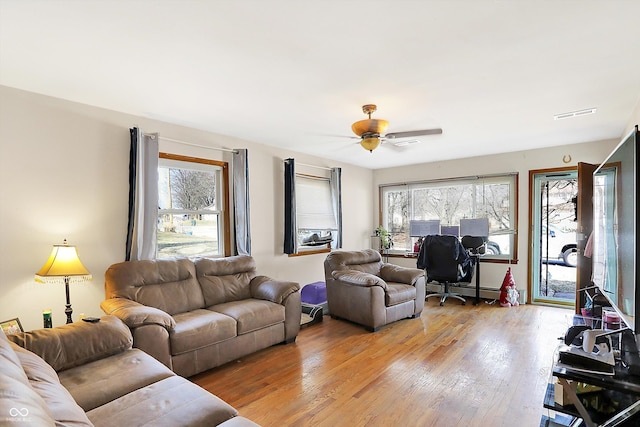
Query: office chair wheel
(464, 303)
(441, 303)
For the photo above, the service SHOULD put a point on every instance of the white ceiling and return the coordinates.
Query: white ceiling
(295, 73)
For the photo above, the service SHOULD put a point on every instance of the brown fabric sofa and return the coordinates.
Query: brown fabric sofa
(195, 315)
(363, 289)
(85, 374)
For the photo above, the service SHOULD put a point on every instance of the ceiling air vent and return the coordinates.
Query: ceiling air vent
(405, 142)
(574, 114)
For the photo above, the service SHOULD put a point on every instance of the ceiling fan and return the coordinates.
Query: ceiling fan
(371, 130)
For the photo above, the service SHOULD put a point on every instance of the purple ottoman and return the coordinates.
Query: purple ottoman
(315, 294)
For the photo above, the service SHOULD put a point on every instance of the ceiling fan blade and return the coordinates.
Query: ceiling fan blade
(330, 135)
(413, 133)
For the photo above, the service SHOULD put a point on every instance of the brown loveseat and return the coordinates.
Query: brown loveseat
(195, 315)
(363, 289)
(85, 374)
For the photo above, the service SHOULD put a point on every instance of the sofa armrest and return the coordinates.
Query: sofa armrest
(135, 314)
(78, 343)
(358, 278)
(266, 288)
(399, 274)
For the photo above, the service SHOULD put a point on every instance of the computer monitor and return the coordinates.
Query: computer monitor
(450, 230)
(421, 228)
(474, 227)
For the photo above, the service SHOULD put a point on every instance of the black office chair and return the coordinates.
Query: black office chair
(475, 246)
(447, 262)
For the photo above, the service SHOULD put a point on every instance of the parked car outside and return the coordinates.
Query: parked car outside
(493, 248)
(562, 246)
(498, 244)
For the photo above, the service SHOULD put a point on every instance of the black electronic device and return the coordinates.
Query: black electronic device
(576, 358)
(629, 353)
(574, 335)
(91, 319)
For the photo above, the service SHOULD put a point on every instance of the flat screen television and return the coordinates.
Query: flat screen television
(614, 243)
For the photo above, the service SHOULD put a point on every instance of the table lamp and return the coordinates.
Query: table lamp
(63, 266)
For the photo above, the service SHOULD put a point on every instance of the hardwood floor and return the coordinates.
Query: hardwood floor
(455, 366)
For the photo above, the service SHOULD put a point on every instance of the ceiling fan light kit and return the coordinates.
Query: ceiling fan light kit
(370, 143)
(370, 130)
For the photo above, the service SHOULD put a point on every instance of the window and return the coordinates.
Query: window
(312, 210)
(314, 213)
(193, 207)
(449, 200)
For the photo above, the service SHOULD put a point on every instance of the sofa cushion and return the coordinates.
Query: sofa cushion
(225, 279)
(76, 343)
(252, 314)
(104, 380)
(200, 328)
(44, 380)
(10, 362)
(173, 401)
(167, 284)
(397, 293)
(19, 402)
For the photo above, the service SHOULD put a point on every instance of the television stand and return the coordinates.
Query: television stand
(619, 385)
(622, 389)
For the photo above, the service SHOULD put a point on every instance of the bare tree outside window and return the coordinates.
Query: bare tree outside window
(450, 202)
(190, 212)
(495, 204)
(192, 190)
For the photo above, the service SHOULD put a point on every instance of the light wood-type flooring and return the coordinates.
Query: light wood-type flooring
(456, 365)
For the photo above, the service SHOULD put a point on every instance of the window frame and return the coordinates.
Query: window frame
(301, 251)
(511, 178)
(223, 188)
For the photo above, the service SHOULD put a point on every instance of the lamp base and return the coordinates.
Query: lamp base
(68, 312)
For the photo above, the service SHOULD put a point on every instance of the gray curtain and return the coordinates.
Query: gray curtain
(335, 181)
(241, 205)
(290, 226)
(143, 196)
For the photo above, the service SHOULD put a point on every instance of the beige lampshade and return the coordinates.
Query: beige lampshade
(63, 262)
(370, 143)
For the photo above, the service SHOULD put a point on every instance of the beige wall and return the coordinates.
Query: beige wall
(64, 174)
(521, 162)
(634, 120)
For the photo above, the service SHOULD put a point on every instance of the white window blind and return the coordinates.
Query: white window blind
(313, 204)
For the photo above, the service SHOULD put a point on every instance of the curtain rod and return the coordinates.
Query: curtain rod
(312, 166)
(192, 144)
(460, 178)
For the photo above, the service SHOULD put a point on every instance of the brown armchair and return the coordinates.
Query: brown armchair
(363, 289)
